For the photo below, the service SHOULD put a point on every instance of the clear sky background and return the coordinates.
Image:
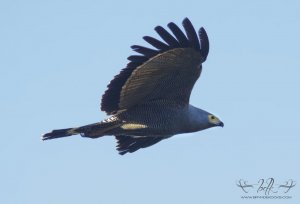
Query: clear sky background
(56, 58)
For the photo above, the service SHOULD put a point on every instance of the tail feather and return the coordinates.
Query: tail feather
(92, 131)
(60, 133)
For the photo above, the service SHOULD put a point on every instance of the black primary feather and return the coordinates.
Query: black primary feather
(204, 43)
(167, 37)
(183, 41)
(147, 52)
(111, 97)
(156, 43)
(137, 58)
(191, 34)
(128, 144)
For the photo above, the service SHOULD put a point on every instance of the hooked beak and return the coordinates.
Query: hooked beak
(221, 124)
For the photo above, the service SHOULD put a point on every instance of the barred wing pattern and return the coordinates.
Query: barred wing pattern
(168, 72)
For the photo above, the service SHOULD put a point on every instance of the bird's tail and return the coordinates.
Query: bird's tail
(60, 133)
(93, 130)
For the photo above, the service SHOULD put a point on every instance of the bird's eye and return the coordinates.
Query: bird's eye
(212, 119)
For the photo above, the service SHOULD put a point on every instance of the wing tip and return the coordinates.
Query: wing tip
(191, 34)
(128, 144)
(204, 43)
(186, 20)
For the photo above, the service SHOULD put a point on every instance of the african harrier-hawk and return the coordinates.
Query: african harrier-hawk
(149, 100)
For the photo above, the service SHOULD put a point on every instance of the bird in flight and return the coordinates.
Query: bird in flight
(148, 101)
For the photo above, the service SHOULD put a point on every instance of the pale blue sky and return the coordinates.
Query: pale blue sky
(56, 58)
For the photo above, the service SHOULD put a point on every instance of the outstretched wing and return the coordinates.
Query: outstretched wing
(168, 72)
(129, 144)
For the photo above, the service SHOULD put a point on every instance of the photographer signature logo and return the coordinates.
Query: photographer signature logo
(266, 189)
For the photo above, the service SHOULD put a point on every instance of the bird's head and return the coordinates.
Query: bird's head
(214, 121)
(200, 119)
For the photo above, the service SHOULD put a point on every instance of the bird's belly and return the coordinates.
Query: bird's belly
(152, 121)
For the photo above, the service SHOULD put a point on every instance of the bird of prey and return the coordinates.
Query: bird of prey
(148, 101)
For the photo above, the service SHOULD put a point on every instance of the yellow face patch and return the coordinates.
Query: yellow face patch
(133, 126)
(213, 119)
